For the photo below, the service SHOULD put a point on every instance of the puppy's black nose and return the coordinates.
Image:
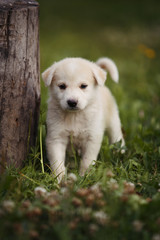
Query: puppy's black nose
(72, 103)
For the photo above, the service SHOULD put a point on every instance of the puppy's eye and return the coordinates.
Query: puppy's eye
(62, 86)
(83, 86)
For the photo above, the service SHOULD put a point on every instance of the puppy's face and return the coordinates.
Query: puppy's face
(73, 86)
(74, 83)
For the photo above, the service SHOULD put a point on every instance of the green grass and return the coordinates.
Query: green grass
(127, 32)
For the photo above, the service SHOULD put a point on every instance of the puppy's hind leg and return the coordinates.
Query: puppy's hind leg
(115, 132)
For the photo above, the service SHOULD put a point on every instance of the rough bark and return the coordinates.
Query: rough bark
(19, 79)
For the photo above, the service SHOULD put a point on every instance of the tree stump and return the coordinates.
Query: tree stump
(19, 79)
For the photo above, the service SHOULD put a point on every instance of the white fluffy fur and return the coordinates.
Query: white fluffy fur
(96, 110)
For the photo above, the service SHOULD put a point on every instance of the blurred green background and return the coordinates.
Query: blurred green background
(91, 28)
(126, 31)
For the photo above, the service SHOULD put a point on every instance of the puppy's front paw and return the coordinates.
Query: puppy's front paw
(59, 174)
(85, 167)
(60, 177)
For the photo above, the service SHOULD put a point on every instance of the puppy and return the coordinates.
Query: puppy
(82, 107)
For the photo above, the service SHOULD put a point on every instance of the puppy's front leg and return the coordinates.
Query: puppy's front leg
(89, 154)
(56, 153)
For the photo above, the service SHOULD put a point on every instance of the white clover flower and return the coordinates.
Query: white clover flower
(138, 225)
(72, 177)
(129, 187)
(156, 237)
(113, 185)
(77, 202)
(93, 228)
(85, 211)
(131, 184)
(40, 192)
(101, 217)
(110, 174)
(95, 187)
(64, 191)
(8, 205)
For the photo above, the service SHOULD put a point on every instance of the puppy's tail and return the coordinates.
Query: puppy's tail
(108, 65)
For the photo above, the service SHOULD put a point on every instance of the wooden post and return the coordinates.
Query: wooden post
(19, 79)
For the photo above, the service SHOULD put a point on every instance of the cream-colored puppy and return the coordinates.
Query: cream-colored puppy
(82, 107)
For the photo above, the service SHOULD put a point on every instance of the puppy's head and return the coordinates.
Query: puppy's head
(73, 82)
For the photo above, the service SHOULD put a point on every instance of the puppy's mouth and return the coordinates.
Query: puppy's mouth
(72, 109)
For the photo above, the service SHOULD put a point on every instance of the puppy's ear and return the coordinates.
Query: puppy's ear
(100, 75)
(48, 75)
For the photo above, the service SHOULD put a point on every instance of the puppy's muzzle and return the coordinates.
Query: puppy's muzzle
(72, 104)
